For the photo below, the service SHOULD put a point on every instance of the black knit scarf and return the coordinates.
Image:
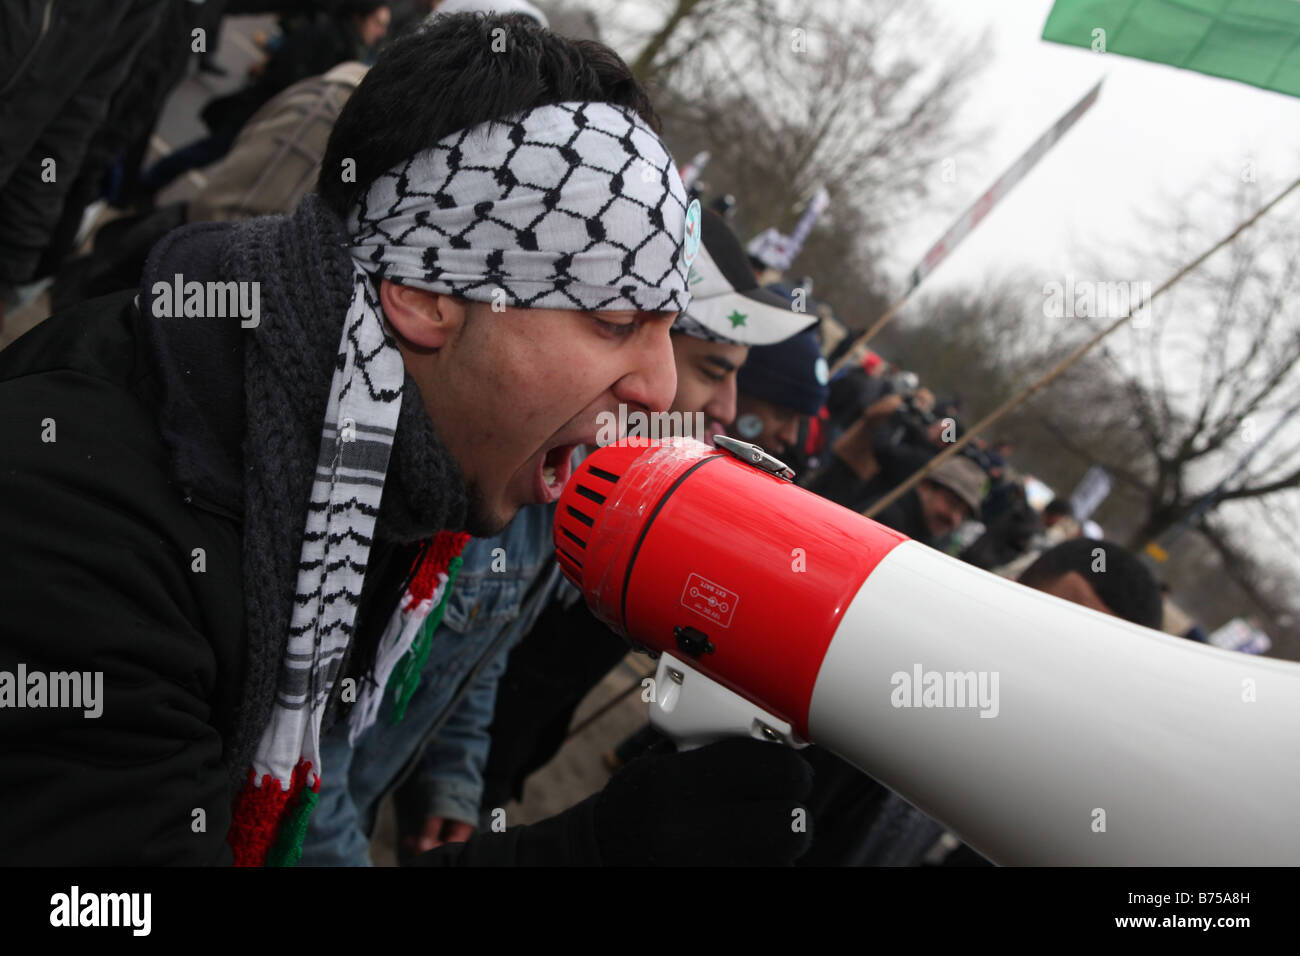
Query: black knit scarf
(306, 277)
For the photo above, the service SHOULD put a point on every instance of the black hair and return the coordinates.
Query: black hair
(359, 8)
(1125, 585)
(1059, 506)
(452, 74)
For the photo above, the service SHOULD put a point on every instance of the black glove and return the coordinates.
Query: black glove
(732, 803)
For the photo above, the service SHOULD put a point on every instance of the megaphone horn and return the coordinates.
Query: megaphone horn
(1039, 731)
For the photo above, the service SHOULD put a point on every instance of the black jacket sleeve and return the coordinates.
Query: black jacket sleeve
(99, 577)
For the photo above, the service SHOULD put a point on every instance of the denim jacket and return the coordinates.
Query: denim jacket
(503, 585)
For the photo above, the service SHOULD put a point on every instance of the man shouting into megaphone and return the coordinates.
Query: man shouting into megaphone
(235, 518)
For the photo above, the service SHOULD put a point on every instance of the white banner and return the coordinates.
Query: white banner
(968, 220)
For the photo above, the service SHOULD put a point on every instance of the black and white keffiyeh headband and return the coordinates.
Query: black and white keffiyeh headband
(571, 206)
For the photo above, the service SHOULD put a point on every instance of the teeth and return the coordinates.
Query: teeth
(548, 474)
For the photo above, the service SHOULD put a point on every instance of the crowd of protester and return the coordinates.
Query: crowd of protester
(515, 651)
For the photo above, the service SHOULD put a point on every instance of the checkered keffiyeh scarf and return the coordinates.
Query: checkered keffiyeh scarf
(574, 206)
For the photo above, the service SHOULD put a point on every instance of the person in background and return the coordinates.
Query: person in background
(893, 437)
(939, 504)
(1119, 584)
(1058, 517)
(274, 161)
(1002, 482)
(1059, 525)
(855, 388)
(780, 386)
(568, 651)
(351, 32)
(61, 65)
(1008, 534)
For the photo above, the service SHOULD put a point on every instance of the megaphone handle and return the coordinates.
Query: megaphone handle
(694, 710)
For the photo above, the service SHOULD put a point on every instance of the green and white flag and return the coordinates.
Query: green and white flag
(1254, 41)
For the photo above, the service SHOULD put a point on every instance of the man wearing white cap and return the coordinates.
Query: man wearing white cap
(569, 651)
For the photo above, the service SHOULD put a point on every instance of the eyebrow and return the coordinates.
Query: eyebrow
(720, 362)
(637, 316)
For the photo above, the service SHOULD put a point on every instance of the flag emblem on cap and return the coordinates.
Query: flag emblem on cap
(693, 232)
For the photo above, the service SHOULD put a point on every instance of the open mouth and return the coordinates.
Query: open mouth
(553, 472)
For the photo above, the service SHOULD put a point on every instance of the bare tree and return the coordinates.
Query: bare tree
(847, 94)
(859, 96)
(1206, 374)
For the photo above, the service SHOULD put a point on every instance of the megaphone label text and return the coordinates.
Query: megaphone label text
(710, 600)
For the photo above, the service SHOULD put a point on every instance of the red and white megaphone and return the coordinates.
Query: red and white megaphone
(1040, 731)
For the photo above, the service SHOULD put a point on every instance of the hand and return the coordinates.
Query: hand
(737, 803)
(436, 832)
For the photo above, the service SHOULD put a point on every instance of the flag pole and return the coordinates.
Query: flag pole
(1069, 360)
(974, 215)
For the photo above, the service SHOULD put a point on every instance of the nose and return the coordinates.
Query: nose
(652, 381)
(722, 402)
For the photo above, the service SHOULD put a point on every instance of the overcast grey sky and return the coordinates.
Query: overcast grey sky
(1156, 135)
(1155, 132)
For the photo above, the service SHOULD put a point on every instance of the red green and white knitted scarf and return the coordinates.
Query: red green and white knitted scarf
(270, 819)
(420, 612)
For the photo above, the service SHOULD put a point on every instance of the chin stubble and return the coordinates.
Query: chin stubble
(479, 521)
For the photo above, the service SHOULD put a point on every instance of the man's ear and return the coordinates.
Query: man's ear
(423, 320)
